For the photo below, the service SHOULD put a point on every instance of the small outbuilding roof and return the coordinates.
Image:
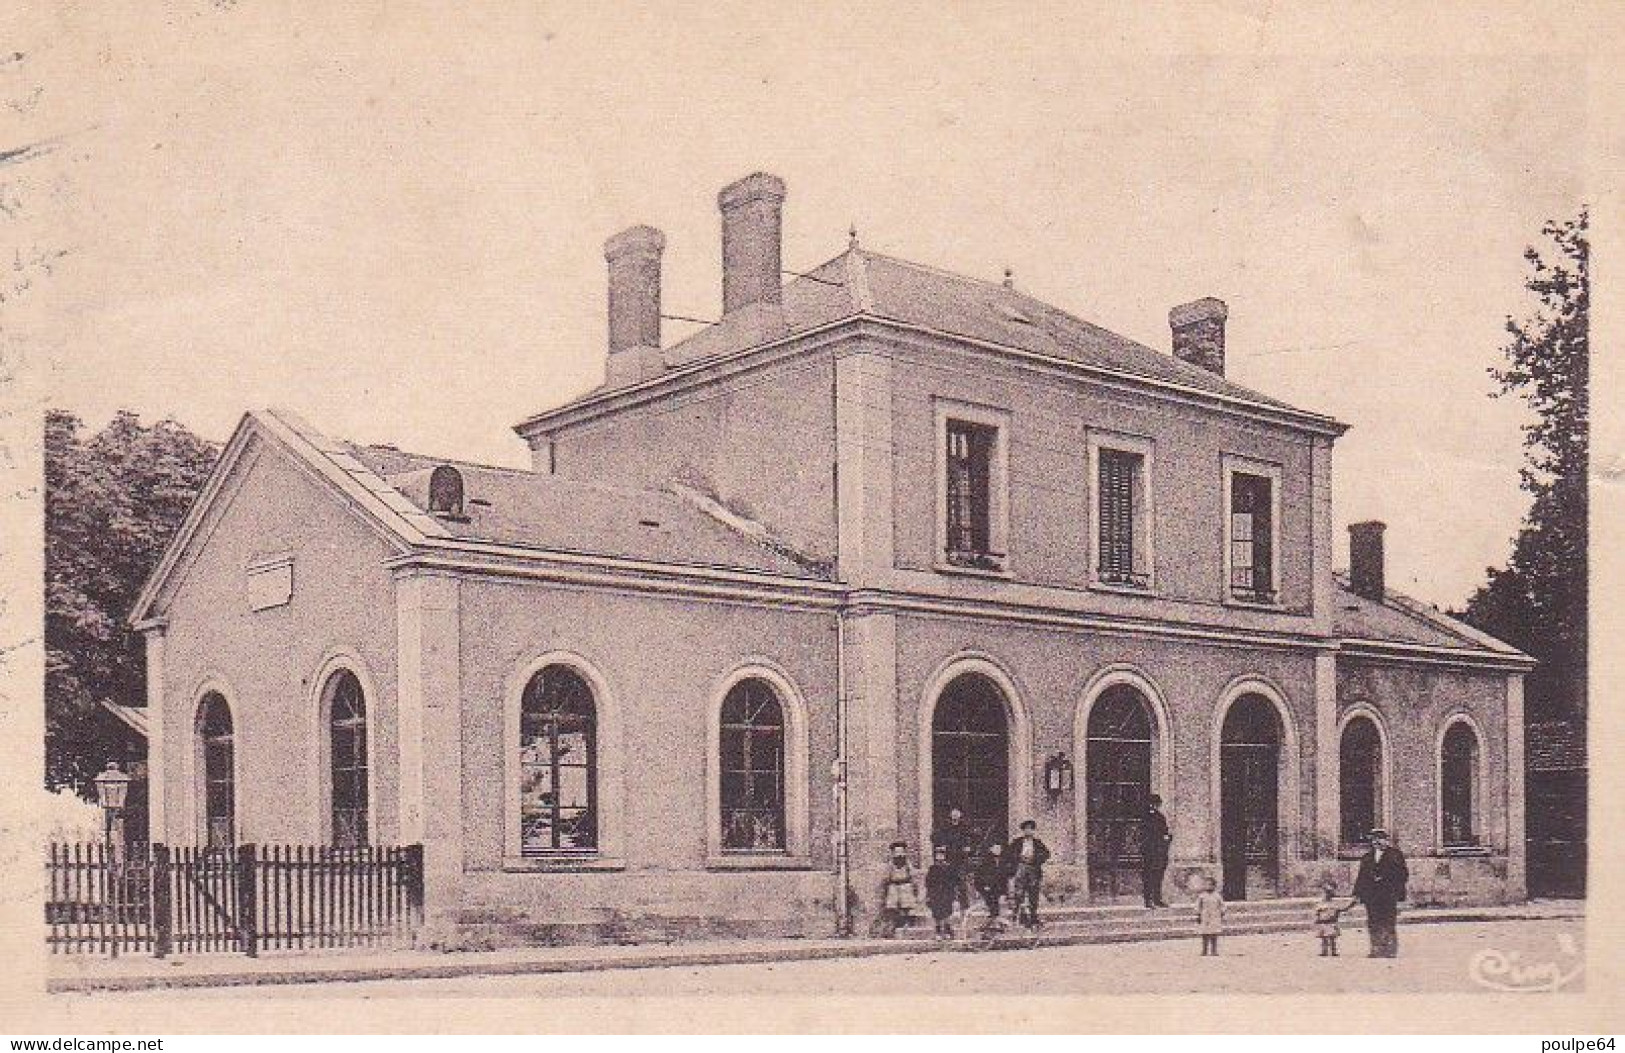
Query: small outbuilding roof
(1401, 620)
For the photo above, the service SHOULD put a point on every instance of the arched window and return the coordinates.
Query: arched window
(217, 753)
(1458, 772)
(347, 758)
(558, 764)
(1360, 780)
(752, 768)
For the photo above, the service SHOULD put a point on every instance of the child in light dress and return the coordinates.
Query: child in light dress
(900, 897)
(1327, 912)
(1209, 916)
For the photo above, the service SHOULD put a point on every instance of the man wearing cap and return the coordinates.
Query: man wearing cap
(1380, 885)
(1026, 856)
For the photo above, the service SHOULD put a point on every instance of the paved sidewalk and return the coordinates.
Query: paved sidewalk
(71, 973)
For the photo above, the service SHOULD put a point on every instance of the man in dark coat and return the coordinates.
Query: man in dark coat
(955, 837)
(1380, 885)
(1155, 838)
(1026, 856)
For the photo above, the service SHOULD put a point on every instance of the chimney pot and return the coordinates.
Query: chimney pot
(752, 234)
(1366, 573)
(633, 256)
(1198, 332)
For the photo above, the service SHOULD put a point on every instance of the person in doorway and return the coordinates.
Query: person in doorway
(992, 880)
(941, 892)
(1155, 837)
(899, 898)
(1209, 916)
(1026, 856)
(1380, 885)
(955, 837)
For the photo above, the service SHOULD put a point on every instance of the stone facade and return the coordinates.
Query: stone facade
(766, 502)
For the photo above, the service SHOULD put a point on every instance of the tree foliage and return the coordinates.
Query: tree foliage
(113, 500)
(1539, 601)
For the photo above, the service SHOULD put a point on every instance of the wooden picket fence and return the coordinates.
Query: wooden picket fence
(244, 899)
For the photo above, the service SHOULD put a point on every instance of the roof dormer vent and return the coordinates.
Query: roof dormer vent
(446, 492)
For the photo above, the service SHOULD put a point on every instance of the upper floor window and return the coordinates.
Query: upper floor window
(1252, 531)
(1120, 486)
(972, 502)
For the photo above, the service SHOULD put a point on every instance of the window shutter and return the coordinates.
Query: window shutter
(1116, 488)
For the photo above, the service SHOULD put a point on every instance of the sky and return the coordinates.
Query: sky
(391, 221)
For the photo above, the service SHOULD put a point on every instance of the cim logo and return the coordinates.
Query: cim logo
(1513, 971)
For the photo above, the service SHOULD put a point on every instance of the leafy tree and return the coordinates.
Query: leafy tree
(1538, 601)
(112, 503)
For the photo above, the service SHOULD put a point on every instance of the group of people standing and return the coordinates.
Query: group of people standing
(962, 870)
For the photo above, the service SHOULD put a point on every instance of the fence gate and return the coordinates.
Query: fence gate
(193, 900)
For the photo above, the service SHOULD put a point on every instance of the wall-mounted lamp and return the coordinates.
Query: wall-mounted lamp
(1057, 774)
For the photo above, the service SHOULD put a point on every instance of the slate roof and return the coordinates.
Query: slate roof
(863, 283)
(1400, 619)
(512, 506)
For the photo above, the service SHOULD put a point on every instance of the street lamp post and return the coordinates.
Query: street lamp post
(112, 787)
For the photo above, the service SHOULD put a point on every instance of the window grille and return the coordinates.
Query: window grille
(558, 743)
(347, 757)
(752, 769)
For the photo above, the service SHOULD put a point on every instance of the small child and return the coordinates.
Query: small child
(899, 898)
(1209, 916)
(1326, 914)
(941, 892)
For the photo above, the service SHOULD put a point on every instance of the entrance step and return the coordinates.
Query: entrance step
(1122, 923)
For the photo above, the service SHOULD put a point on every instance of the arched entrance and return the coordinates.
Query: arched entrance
(970, 757)
(1117, 769)
(1249, 798)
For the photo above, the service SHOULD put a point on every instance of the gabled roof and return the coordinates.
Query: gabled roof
(522, 511)
(1401, 623)
(863, 284)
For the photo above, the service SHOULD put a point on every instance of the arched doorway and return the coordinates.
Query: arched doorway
(970, 757)
(1249, 798)
(1117, 768)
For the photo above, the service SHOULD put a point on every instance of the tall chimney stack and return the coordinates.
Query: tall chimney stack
(1366, 572)
(1198, 329)
(633, 256)
(752, 252)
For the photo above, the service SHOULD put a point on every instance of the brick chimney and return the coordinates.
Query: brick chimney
(751, 241)
(1366, 559)
(1198, 329)
(633, 256)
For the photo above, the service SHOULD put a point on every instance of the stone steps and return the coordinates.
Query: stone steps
(1125, 923)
